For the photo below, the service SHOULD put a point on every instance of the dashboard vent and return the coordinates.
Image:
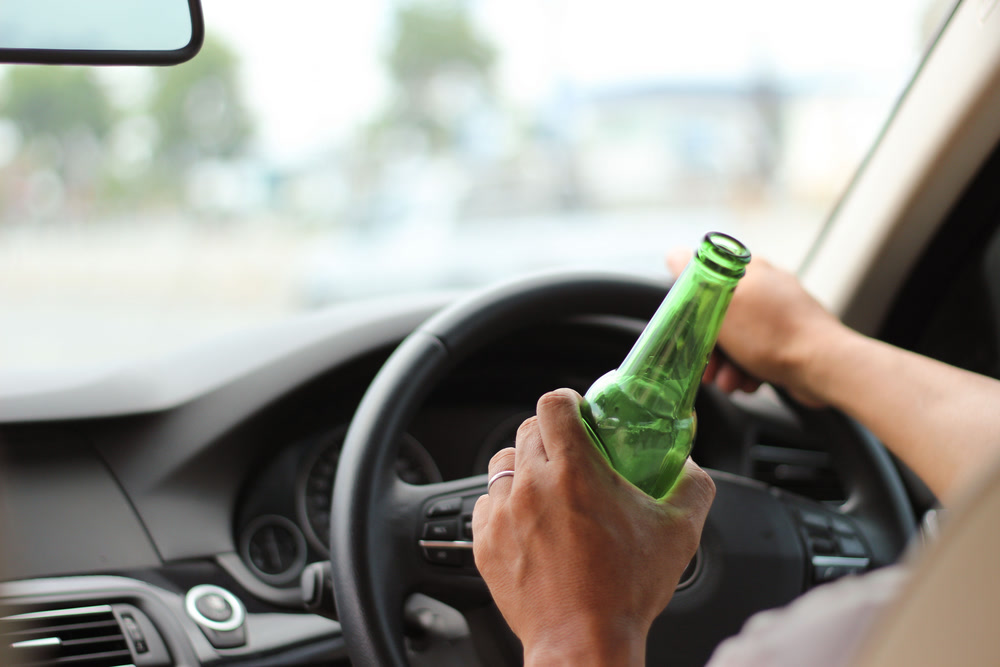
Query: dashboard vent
(806, 472)
(80, 637)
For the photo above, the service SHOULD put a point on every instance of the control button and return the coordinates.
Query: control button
(214, 607)
(223, 616)
(441, 556)
(851, 547)
(824, 573)
(441, 530)
(467, 526)
(815, 521)
(822, 545)
(445, 507)
(842, 525)
(827, 573)
(134, 633)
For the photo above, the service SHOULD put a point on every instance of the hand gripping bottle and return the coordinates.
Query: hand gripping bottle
(641, 415)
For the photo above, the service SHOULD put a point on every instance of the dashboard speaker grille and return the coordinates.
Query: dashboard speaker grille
(77, 637)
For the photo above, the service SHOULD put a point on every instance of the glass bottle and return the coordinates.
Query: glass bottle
(641, 415)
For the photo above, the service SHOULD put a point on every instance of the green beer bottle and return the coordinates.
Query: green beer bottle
(641, 415)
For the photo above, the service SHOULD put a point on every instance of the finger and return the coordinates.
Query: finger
(561, 426)
(712, 369)
(729, 378)
(677, 259)
(499, 490)
(529, 445)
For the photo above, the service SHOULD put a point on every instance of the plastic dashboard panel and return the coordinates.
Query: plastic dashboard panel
(286, 639)
(181, 467)
(134, 471)
(62, 511)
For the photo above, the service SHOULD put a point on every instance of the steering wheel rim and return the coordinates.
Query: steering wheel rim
(371, 509)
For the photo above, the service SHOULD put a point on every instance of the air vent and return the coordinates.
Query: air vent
(806, 472)
(79, 637)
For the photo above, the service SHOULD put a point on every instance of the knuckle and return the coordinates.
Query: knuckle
(502, 460)
(527, 428)
(552, 399)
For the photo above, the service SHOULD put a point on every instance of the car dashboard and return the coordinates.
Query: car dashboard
(181, 497)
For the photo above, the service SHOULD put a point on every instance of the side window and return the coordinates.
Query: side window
(964, 329)
(949, 308)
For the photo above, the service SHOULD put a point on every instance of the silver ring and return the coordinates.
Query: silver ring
(502, 473)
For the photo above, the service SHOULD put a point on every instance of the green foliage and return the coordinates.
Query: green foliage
(431, 37)
(56, 101)
(435, 49)
(199, 108)
(70, 130)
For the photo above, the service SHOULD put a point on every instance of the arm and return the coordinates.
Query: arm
(942, 421)
(579, 561)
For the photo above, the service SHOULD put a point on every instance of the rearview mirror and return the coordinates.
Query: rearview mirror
(100, 32)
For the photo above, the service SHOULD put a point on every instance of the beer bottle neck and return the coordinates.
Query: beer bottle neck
(663, 371)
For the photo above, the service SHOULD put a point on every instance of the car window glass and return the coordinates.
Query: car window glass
(316, 153)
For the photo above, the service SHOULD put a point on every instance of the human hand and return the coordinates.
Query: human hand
(579, 561)
(771, 333)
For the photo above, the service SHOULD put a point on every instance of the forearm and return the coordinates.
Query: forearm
(942, 421)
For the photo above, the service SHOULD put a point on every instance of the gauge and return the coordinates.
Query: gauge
(504, 435)
(414, 466)
(274, 549)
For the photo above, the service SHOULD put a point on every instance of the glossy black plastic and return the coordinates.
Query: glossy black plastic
(104, 57)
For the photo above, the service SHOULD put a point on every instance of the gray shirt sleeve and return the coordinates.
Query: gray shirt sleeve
(823, 628)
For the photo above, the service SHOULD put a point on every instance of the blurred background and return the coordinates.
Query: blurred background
(323, 152)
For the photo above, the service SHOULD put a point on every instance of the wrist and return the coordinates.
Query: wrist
(820, 359)
(593, 645)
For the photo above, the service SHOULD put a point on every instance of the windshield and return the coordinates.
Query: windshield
(323, 152)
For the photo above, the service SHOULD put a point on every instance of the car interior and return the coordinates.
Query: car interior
(301, 493)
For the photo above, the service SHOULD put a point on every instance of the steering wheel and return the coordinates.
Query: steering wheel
(761, 547)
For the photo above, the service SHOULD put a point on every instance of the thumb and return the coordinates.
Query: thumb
(677, 259)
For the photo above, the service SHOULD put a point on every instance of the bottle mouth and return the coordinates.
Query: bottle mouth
(724, 254)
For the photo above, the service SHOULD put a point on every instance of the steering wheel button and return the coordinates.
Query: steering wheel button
(214, 607)
(815, 521)
(467, 527)
(445, 507)
(444, 556)
(842, 525)
(827, 573)
(822, 545)
(851, 546)
(441, 530)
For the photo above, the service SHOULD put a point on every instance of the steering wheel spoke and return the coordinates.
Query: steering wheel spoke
(434, 526)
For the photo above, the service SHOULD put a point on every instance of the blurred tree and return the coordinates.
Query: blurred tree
(199, 107)
(63, 117)
(31, 92)
(432, 36)
(438, 61)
